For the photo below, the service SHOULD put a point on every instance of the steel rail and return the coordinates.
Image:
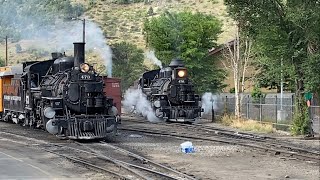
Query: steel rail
(147, 160)
(119, 162)
(226, 141)
(222, 132)
(85, 163)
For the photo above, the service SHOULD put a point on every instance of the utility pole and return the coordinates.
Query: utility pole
(84, 31)
(6, 51)
(281, 84)
(281, 114)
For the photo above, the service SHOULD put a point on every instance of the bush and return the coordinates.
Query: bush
(232, 90)
(301, 120)
(256, 94)
(150, 12)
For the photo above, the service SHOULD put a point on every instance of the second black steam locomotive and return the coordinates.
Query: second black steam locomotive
(63, 95)
(171, 93)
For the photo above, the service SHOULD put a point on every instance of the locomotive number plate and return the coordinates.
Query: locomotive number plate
(115, 85)
(85, 77)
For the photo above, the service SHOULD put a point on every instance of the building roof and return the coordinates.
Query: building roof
(11, 70)
(220, 48)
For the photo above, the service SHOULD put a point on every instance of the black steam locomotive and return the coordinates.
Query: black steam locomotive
(63, 95)
(171, 93)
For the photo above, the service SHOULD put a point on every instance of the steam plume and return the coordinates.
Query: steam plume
(59, 33)
(152, 58)
(95, 40)
(208, 101)
(135, 100)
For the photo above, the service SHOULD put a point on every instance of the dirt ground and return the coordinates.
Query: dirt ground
(210, 160)
(219, 161)
(18, 161)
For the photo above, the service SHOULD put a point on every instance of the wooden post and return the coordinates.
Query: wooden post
(276, 108)
(248, 106)
(212, 113)
(260, 110)
(6, 63)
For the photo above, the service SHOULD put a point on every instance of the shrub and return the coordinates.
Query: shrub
(301, 120)
(256, 94)
(232, 90)
(150, 12)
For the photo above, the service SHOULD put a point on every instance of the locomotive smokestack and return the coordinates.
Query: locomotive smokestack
(78, 53)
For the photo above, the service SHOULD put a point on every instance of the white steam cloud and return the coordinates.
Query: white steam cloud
(135, 100)
(209, 101)
(64, 34)
(152, 58)
(95, 40)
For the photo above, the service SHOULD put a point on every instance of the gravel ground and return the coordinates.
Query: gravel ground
(281, 135)
(221, 161)
(216, 161)
(45, 165)
(210, 160)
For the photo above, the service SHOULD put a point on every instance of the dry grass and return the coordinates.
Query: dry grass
(246, 125)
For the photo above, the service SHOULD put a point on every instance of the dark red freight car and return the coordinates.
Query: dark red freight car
(113, 89)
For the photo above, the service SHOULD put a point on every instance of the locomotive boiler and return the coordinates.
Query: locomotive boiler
(171, 93)
(63, 95)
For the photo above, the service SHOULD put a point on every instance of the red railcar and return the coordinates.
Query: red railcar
(113, 89)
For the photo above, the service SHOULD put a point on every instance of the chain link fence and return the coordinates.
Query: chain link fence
(268, 109)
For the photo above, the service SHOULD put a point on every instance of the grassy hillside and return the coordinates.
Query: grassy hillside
(121, 22)
(125, 22)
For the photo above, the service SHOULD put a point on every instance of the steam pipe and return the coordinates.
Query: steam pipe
(79, 53)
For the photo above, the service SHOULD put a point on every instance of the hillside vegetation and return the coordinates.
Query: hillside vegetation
(124, 22)
(119, 22)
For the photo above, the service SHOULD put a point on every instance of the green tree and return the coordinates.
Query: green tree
(286, 32)
(127, 63)
(188, 36)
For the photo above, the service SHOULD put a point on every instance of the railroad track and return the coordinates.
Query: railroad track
(207, 133)
(105, 158)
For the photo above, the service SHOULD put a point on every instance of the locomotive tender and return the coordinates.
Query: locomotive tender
(63, 95)
(171, 93)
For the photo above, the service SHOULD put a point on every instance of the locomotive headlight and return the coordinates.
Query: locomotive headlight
(182, 73)
(157, 103)
(84, 67)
